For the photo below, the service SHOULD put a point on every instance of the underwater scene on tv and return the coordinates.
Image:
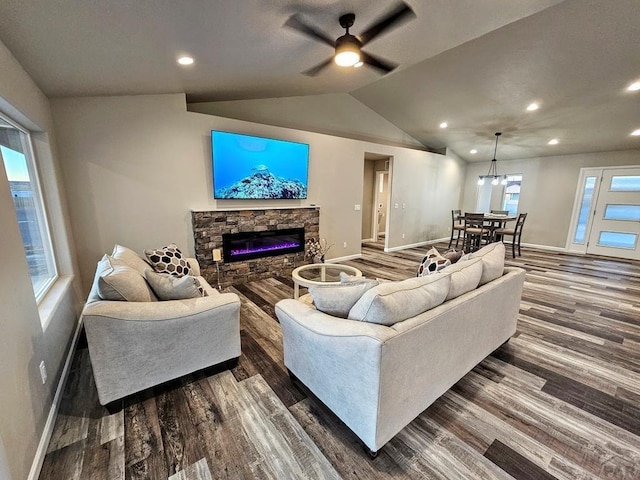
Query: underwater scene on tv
(248, 167)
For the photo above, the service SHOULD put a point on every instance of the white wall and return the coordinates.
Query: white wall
(137, 165)
(24, 402)
(548, 190)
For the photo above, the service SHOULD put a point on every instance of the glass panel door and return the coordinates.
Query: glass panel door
(616, 219)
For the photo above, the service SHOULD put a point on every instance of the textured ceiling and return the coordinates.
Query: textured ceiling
(473, 63)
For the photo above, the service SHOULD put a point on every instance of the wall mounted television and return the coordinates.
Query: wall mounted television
(258, 168)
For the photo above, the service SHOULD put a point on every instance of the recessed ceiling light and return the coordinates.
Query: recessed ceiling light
(634, 87)
(534, 106)
(444, 125)
(473, 152)
(358, 65)
(553, 141)
(185, 60)
(636, 133)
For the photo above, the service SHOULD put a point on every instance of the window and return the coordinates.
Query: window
(625, 183)
(585, 208)
(512, 194)
(18, 161)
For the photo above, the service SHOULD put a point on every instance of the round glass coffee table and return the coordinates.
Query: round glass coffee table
(320, 274)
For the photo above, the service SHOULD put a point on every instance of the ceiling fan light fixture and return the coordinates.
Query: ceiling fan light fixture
(347, 51)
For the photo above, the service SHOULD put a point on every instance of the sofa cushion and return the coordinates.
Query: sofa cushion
(337, 300)
(118, 281)
(465, 276)
(168, 287)
(492, 256)
(393, 302)
(169, 260)
(432, 262)
(131, 258)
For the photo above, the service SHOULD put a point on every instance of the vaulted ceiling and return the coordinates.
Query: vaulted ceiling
(474, 64)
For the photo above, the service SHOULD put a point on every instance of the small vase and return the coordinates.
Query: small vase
(318, 259)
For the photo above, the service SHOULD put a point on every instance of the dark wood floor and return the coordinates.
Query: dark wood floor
(560, 400)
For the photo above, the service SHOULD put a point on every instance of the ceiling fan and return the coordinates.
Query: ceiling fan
(348, 47)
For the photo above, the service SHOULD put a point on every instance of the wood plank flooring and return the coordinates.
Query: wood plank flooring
(560, 400)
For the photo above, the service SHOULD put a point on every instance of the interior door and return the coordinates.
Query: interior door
(615, 227)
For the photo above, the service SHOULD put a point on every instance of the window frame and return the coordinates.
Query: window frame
(41, 212)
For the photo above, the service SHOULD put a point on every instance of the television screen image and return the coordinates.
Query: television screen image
(248, 167)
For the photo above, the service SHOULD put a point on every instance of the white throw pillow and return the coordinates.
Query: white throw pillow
(465, 276)
(168, 287)
(393, 302)
(131, 258)
(120, 282)
(492, 256)
(337, 300)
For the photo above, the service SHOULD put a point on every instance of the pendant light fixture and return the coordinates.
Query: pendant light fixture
(493, 169)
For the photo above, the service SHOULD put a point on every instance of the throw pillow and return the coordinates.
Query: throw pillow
(129, 257)
(120, 282)
(168, 287)
(432, 262)
(337, 300)
(453, 255)
(492, 256)
(393, 302)
(169, 260)
(346, 278)
(465, 277)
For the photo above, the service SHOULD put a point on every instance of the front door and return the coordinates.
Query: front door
(607, 213)
(616, 221)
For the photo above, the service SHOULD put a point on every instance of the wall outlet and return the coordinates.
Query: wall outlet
(404, 205)
(403, 235)
(395, 205)
(356, 207)
(344, 245)
(43, 372)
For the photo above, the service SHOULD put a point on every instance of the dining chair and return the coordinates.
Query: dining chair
(457, 226)
(475, 232)
(497, 223)
(515, 234)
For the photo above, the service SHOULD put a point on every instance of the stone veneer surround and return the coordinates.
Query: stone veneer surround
(208, 227)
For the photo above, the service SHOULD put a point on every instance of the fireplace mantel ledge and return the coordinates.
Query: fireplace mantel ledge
(252, 208)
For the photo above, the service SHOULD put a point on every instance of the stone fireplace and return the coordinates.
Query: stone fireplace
(267, 242)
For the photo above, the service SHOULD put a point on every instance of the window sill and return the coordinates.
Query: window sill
(52, 299)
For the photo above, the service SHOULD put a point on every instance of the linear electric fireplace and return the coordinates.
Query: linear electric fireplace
(248, 245)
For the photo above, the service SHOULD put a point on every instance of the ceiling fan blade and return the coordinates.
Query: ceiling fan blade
(393, 19)
(377, 63)
(313, 71)
(296, 23)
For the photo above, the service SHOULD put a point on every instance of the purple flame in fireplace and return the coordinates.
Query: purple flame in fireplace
(267, 248)
(248, 245)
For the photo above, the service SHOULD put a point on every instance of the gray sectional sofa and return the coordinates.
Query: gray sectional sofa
(385, 364)
(134, 345)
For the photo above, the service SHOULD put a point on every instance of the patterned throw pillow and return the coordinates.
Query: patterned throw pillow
(169, 260)
(433, 262)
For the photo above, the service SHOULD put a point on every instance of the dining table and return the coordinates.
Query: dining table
(494, 221)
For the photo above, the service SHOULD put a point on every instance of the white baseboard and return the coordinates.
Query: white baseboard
(345, 258)
(544, 247)
(41, 452)
(414, 245)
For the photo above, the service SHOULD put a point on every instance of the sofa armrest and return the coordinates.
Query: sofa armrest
(323, 324)
(155, 311)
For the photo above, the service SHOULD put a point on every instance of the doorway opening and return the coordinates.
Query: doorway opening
(375, 198)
